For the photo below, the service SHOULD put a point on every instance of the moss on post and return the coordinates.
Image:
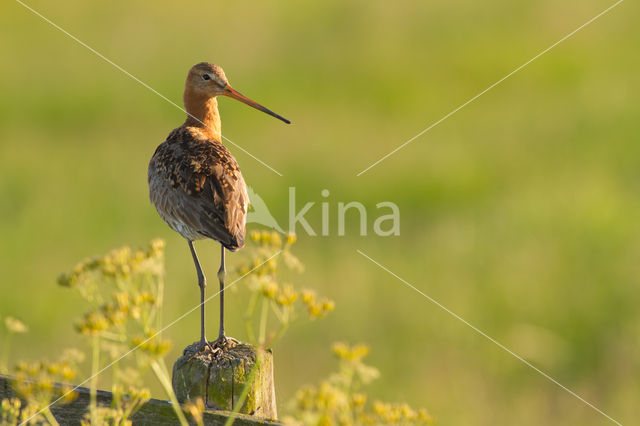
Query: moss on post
(219, 378)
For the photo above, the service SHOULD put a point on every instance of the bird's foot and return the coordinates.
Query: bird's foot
(205, 345)
(223, 342)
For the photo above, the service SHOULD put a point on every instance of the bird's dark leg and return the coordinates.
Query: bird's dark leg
(202, 283)
(223, 342)
(221, 276)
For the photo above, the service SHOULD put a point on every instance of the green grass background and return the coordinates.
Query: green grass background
(520, 213)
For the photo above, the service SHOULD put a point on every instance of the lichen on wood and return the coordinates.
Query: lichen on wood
(220, 376)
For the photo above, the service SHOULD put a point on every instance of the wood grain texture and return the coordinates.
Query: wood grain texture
(219, 378)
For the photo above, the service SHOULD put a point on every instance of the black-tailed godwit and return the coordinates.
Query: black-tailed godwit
(194, 181)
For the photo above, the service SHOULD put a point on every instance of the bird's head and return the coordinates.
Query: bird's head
(207, 81)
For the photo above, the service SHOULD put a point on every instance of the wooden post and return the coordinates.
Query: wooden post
(219, 378)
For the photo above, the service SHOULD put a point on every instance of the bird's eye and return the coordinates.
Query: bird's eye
(206, 77)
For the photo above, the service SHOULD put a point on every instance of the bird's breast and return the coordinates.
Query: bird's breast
(198, 189)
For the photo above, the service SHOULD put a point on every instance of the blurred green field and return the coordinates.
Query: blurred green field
(520, 213)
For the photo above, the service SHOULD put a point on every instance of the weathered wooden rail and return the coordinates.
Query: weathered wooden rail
(154, 412)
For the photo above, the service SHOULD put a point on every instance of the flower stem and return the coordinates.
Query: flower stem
(283, 329)
(163, 376)
(49, 416)
(248, 319)
(263, 321)
(93, 386)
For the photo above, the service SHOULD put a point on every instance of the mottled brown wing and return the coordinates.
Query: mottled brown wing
(224, 199)
(198, 189)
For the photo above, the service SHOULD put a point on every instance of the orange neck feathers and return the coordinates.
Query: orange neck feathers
(203, 113)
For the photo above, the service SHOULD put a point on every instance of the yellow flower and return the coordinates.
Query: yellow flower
(10, 410)
(93, 323)
(67, 373)
(53, 368)
(359, 399)
(317, 309)
(424, 416)
(308, 296)
(286, 296)
(144, 297)
(340, 349)
(68, 394)
(156, 248)
(355, 353)
(269, 289)
(121, 299)
(195, 409)
(153, 346)
(14, 325)
(359, 351)
(328, 305)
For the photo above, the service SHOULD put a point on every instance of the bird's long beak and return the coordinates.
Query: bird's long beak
(233, 93)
